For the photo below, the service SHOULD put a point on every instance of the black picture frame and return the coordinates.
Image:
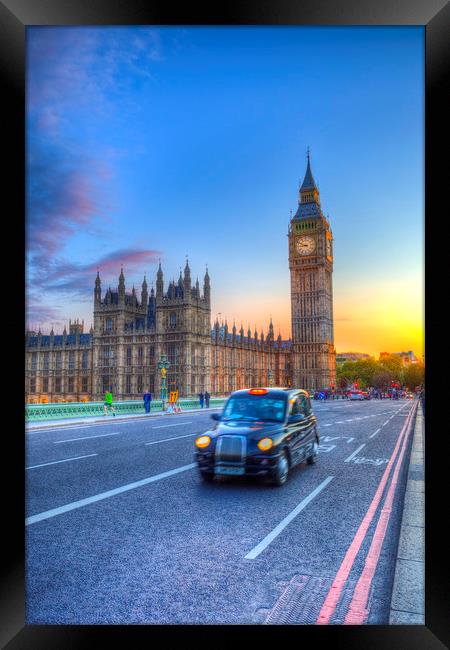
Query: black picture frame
(15, 16)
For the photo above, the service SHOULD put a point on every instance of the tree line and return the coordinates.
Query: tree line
(380, 374)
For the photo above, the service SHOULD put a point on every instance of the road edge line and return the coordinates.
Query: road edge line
(411, 544)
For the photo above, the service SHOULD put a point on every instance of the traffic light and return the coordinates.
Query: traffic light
(356, 384)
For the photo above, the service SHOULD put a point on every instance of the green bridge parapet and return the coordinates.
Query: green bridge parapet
(61, 410)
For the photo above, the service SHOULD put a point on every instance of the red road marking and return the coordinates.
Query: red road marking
(331, 600)
(358, 612)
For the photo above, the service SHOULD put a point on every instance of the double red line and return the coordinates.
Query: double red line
(358, 612)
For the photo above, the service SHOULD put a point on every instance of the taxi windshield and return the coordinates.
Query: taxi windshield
(255, 407)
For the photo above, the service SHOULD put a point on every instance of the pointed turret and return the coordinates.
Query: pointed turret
(309, 198)
(187, 278)
(308, 182)
(144, 294)
(270, 335)
(121, 286)
(97, 289)
(159, 282)
(206, 287)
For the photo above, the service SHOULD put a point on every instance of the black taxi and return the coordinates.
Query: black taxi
(260, 432)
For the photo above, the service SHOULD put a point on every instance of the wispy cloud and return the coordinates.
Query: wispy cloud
(77, 78)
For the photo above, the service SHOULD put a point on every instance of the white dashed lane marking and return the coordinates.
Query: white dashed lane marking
(55, 462)
(259, 548)
(48, 514)
(354, 453)
(102, 435)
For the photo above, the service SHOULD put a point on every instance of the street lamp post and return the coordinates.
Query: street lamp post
(163, 366)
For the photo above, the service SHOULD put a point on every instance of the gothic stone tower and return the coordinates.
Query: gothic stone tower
(311, 268)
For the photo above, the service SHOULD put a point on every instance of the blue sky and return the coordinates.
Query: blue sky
(147, 143)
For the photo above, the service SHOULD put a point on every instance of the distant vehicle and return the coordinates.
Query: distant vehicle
(356, 394)
(366, 394)
(409, 396)
(260, 432)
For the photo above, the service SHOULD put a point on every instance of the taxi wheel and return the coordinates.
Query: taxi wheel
(315, 453)
(207, 477)
(280, 475)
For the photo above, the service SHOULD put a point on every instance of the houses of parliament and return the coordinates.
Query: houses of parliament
(130, 334)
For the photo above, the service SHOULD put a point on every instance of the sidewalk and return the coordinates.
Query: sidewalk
(408, 593)
(101, 419)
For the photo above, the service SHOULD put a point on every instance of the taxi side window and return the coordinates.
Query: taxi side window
(299, 407)
(307, 406)
(295, 407)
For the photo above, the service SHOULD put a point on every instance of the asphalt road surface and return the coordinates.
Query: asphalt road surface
(120, 529)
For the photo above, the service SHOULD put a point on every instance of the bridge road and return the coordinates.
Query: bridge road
(121, 529)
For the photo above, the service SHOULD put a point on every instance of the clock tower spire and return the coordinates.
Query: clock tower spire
(311, 269)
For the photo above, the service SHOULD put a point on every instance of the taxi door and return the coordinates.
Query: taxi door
(300, 429)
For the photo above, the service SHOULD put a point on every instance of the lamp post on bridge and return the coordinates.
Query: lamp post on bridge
(163, 366)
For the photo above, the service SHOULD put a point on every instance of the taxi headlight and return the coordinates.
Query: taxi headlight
(203, 441)
(265, 444)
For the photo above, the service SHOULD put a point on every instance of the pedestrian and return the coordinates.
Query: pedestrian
(147, 400)
(207, 397)
(108, 402)
(201, 397)
(422, 400)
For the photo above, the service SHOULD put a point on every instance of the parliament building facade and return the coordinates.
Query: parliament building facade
(130, 334)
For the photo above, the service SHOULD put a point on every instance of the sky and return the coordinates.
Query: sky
(157, 143)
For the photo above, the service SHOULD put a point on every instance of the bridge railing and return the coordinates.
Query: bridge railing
(62, 410)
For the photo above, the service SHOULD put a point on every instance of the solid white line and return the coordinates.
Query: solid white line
(102, 435)
(55, 462)
(374, 433)
(165, 426)
(385, 423)
(354, 453)
(251, 555)
(104, 495)
(188, 435)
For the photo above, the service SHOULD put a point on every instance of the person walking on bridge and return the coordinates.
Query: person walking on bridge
(147, 400)
(108, 402)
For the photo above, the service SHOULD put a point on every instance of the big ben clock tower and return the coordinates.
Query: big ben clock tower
(311, 268)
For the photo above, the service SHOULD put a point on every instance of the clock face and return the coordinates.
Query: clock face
(305, 245)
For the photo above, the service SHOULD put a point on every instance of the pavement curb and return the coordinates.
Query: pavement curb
(67, 422)
(408, 593)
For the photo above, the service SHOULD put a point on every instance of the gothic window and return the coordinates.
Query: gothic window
(108, 326)
(172, 354)
(33, 360)
(108, 356)
(139, 384)
(140, 356)
(106, 383)
(173, 320)
(71, 360)
(45, 364)
(58, 360)
(70, 384)
(85, 359)
(84, 384)
(151, 353)
(128, 384)
(57, 384)
(128, 357)
(45, 385)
